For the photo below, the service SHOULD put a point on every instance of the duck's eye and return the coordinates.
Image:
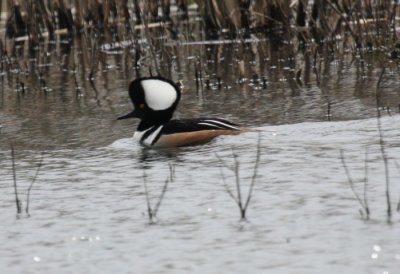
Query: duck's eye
(141, 106)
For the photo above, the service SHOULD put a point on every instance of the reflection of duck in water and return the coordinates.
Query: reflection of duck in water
(155, 100)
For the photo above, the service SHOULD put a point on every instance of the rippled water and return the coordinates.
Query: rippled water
(88, 209)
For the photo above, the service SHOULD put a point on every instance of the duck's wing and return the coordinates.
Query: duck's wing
(194, 131)
(189, 125)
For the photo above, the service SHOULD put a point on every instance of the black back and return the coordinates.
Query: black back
(190, 125)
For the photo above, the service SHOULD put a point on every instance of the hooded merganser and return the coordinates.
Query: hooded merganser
(155, 100)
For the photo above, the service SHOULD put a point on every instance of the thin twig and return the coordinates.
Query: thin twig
(152, 213)
(226, 186)
(171, 172)
(164, 190)
(231, 168)
(377, 94)
(237, 180)
(146, 192)
(366, 183)
(93, 59)
(398, 203)
(17, 201)
(235, 170)
(160, 198)
(151, 46)
(382, 146)
(350, 180)
(355, 37)
(28, 194)
(253, 179)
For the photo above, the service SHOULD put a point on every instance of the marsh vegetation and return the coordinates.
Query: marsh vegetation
(268, 40)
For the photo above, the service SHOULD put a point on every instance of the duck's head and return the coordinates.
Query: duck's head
(154, 99)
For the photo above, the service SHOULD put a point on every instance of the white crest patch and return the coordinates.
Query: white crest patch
(159, 95)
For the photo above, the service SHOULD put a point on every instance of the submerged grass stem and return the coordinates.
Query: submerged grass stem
(17, 200)
(152, 212)
(28, 194)
(242, 205)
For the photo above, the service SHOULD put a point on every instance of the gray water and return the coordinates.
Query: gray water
(88, 209)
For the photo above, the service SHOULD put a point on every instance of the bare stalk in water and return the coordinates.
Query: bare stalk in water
(398, 202)
(152, 212)
(149, 41)
(363, 202)
(242, 205)
(382, 146)
(28, 194)
(17, 200)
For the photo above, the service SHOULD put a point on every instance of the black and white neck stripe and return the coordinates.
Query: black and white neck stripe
(149, 136)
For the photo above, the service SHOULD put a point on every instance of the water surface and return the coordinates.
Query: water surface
(88, 208)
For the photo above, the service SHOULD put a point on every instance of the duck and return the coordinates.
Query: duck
(155, 100)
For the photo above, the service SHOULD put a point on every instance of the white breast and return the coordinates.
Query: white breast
(137, 136)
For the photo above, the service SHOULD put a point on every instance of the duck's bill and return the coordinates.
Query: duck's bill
(132, 114)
